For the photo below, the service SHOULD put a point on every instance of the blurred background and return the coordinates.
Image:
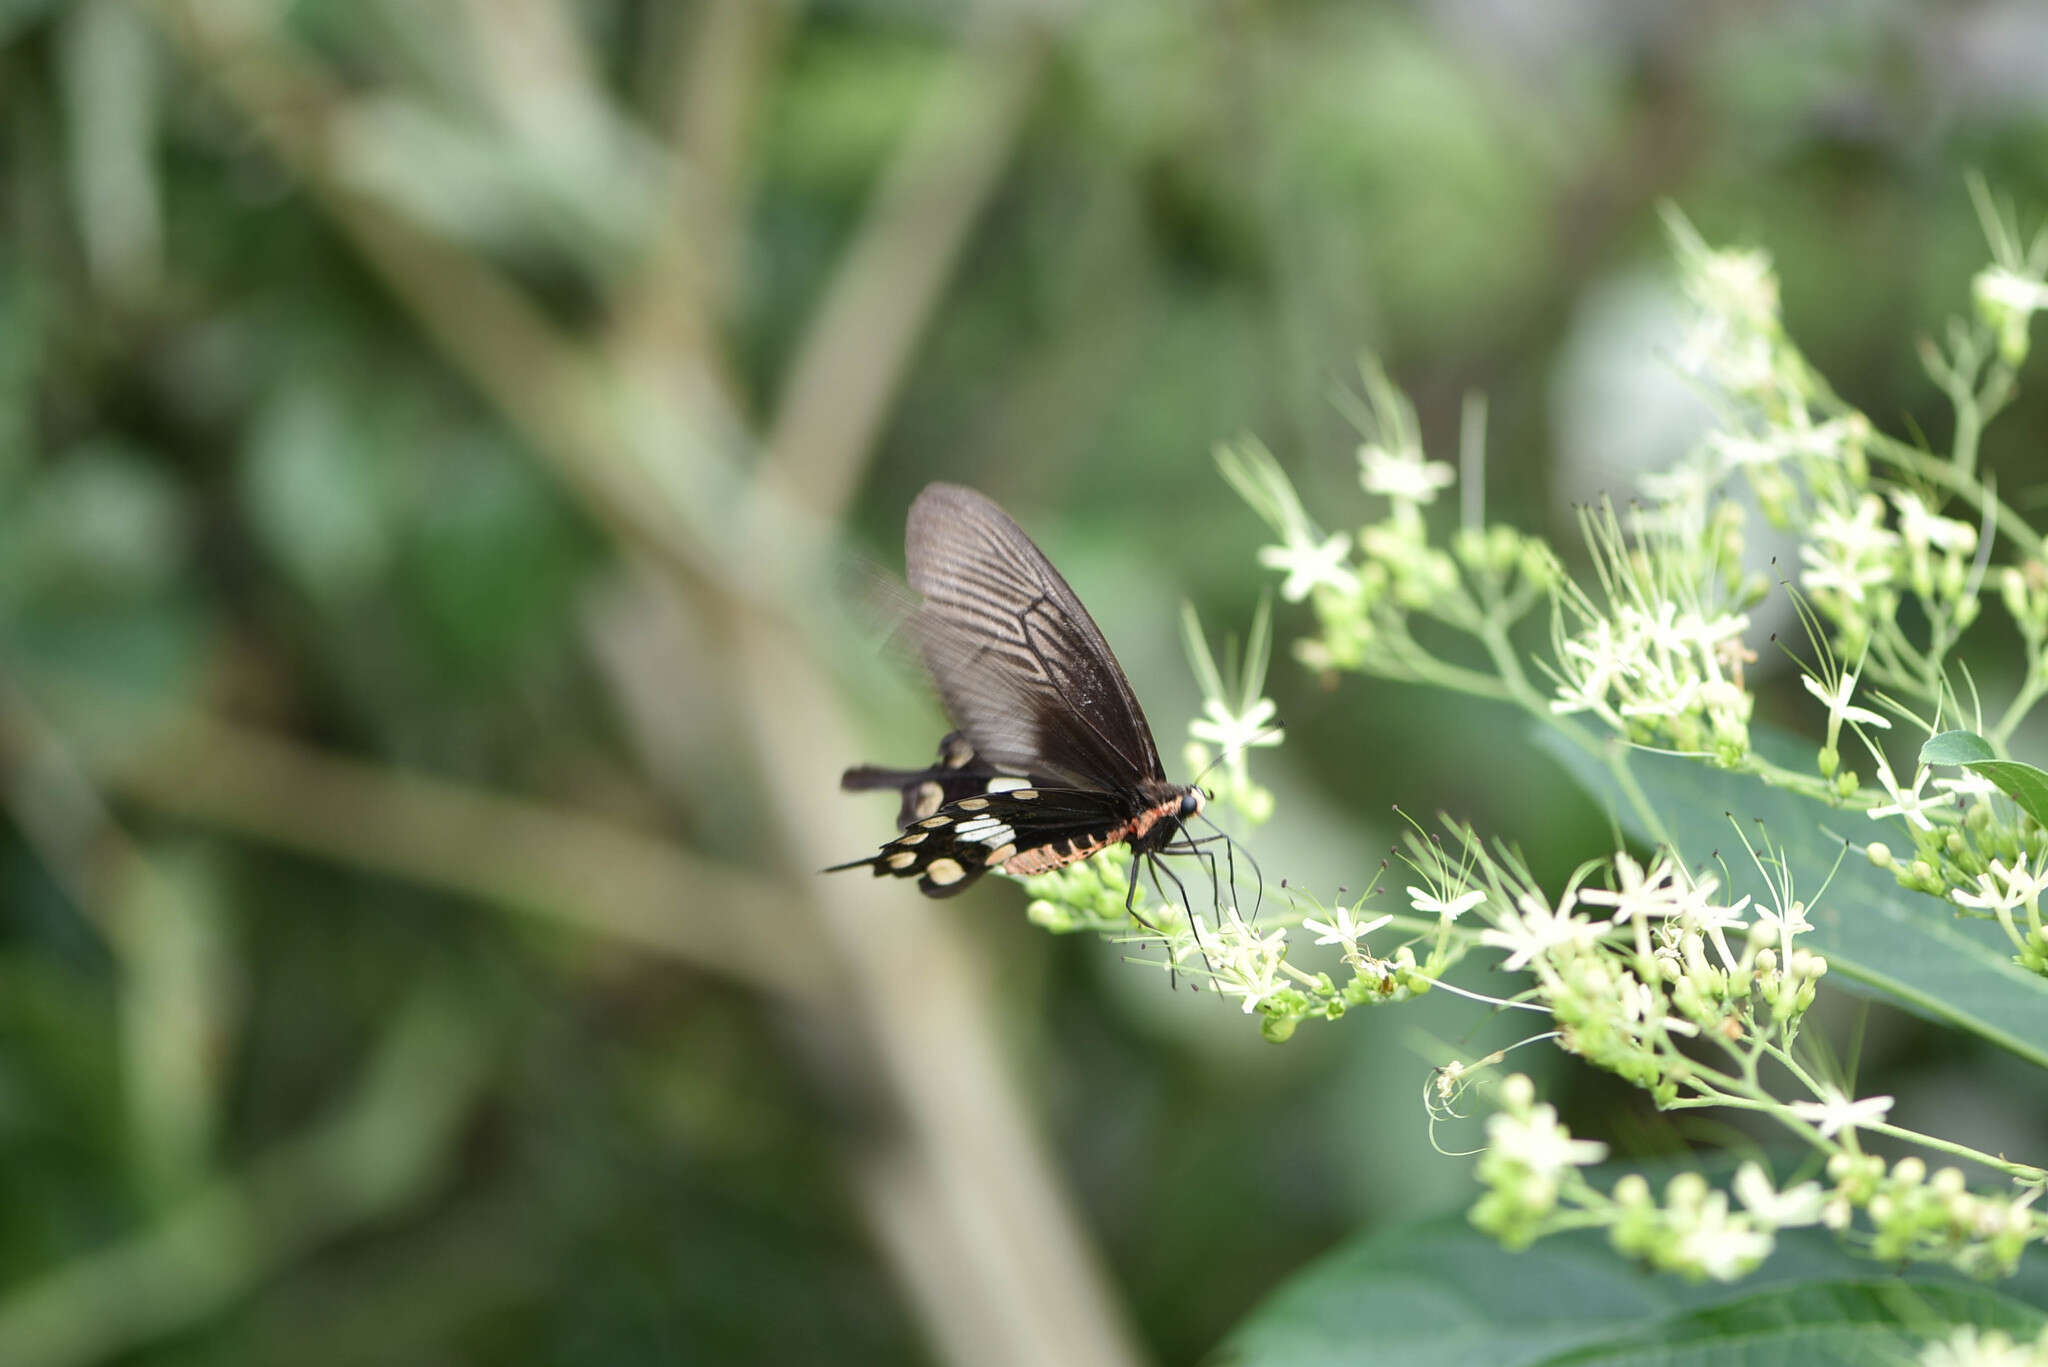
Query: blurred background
(436, 444)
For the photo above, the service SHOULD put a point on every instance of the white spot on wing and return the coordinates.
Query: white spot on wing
(987, 830)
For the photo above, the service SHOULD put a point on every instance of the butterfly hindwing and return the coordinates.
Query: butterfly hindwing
(958, 773)
(1021, 830)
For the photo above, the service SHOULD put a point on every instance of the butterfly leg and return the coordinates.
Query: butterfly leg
(1131, 895)
(1191, 845)
(1230, 848)
(1153, 863)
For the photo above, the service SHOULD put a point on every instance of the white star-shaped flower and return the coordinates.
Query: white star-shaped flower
(1923, 527)
(1342, 931)
(1539, 1143)
(1907, 802)
(1967, 785)
(2009, 289)
(1533, 929)
(2002, 889)
(1448, 908)
(1311, 565)
(1722, 1246)
(1800, 1205)
(1852, 581)
(1652, 895)
(1593, 662)
(1243, 962)
(1837, 701)
(1771, 923)
(1836, 1112)
(1402, 474)
(1859, 534)
(1231, 732)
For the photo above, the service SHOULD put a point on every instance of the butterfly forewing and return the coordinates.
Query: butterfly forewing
(1019, 663)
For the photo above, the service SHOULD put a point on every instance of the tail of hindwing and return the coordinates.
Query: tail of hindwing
(949, 849)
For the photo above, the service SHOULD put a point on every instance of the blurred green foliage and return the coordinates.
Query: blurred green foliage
(239, 472)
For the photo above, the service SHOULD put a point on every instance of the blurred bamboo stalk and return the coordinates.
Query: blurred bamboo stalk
(586, 873)
(840, 384)
(108, 60)
(176, 1001)
(711, 70)
(1000, 1271)
(373, 1155)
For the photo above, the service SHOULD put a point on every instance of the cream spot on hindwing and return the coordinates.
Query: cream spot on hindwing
(997, 856)
(972, 804)
(1024, 794)
(902, 859)
(945, 872)
(1007, 785)
(933, 823)
(914, 838)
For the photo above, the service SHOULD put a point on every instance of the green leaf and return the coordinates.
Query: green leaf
(2023, 783)
(1442, 1293)
(1884, 940)
(1956, 747)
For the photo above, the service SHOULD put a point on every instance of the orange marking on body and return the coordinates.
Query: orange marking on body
(1045, 858)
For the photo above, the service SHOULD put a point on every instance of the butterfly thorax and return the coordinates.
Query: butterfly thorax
(1167, 805)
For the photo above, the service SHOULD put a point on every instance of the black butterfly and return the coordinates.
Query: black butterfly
(1052, 761)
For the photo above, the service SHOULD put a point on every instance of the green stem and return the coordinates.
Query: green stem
(1495, 636)
(2031, 689)
(2023, 1172)
(1616, 758)
(1963, 483)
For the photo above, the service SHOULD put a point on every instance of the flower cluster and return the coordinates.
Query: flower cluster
(1658, 654)
(1529, 1160)
(1643, 967)
(1970, 1346)
(1533, 1185)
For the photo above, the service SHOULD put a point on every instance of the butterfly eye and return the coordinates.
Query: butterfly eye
(1190, 803)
